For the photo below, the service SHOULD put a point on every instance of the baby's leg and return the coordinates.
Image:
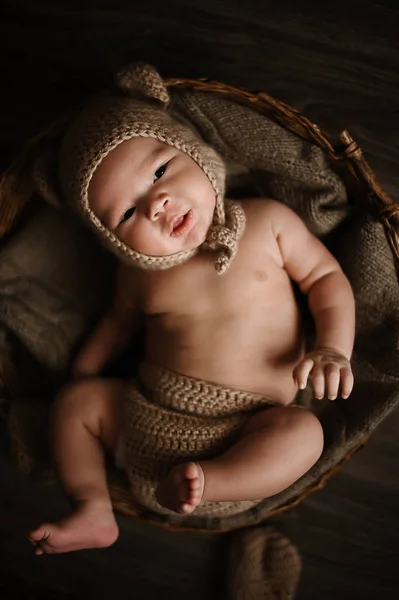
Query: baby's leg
(276, 447)
(86, 418)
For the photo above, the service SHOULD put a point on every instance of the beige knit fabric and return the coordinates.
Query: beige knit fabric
(171, 419)
(139, 108)
(263, 565)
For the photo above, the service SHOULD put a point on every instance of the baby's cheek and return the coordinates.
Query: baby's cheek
(129, 240)
(150, 245)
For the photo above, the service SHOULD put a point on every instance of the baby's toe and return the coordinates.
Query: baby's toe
(184, 497)
(194, 484)
(191, 470)
(37, 535)
(187, 507)
(193, 488)
(45, 548)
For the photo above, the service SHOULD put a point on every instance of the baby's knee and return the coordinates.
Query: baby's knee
(302, 431)
(303, 435)
(78, 399)
(96, 402)
(308, 430)
(72, 397)
(299, 427)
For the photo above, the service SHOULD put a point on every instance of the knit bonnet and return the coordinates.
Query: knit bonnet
(139, 107)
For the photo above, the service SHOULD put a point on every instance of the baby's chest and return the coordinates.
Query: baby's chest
(195, 288)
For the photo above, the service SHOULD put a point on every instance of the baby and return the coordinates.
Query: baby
(210, 279)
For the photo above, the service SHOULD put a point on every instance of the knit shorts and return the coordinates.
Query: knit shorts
(170, 419)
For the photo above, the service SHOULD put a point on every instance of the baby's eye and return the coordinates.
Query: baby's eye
(128, 214)
(159, 172)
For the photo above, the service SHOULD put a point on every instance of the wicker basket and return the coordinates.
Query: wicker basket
(349, 159)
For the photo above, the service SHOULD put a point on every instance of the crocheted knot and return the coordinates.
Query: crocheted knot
(224, 238)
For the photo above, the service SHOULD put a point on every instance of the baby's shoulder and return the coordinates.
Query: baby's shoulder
(266, 214)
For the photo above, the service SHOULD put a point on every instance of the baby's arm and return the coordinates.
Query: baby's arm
(331, 301)
(114, 331)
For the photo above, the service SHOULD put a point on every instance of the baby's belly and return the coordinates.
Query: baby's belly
(252, 355)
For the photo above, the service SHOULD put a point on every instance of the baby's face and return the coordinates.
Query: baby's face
(153, 197)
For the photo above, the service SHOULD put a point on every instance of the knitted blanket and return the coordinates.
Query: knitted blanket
(51, 295)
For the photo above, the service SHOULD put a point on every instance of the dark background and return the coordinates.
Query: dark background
(338, 62)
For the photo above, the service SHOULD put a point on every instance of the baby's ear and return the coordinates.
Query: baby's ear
(143, 79)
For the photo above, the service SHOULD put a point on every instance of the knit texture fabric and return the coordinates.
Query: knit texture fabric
(272, 161)
(171, 419)
(263, 564)
(136, 108)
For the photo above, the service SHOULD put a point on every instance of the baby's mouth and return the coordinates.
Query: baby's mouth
(181, 224)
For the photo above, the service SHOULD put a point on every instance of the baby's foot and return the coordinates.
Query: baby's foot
(91, 525)
(182, 490)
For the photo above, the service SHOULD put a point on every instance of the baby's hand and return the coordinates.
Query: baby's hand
(327, 369)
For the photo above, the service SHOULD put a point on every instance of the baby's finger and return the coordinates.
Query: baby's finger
(347, 381)
(302, 371)
(332, 375)
(318, 381)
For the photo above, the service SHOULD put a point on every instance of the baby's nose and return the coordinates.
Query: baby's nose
(158, 204)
